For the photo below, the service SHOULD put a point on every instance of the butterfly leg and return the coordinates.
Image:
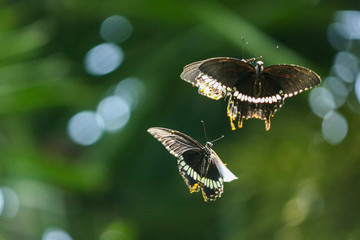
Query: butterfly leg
(267, 122)
(232, 112)
(240, 121)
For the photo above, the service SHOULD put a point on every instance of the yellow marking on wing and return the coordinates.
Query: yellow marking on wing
(204, 196)
(194, 188)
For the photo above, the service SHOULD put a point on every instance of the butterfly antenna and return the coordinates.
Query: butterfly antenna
(274, 50)
(203, 123)
(242, 47)
(222, 136)
(250, 60)
(250, 49)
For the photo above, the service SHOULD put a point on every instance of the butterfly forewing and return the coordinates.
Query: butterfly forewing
(174, 141)
(215, 77)
(292, 79)
(191, 71)
(227, 71)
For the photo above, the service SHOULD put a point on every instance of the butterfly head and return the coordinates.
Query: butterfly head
(208, 145)
(259, 67)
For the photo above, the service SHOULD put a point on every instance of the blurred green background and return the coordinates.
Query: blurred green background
(104, 177)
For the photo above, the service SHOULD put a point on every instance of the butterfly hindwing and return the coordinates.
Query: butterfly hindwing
(189, 164)
(213, 183)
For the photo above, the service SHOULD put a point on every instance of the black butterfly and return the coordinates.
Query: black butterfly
(254, 92)
(199, 165)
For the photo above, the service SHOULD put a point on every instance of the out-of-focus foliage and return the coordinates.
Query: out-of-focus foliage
(292, 183)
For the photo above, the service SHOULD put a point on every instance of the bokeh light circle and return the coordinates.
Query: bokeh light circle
(85, 128)
(346, 66)
(357, 87)
(103, 59)
(336, 37)
(131, 90)
(351, 23)
(334, 127)
(9, 202)
(115, 112)
(343, 72)
(116, 29)
(338, 88)
(56, 234)
(321, 101)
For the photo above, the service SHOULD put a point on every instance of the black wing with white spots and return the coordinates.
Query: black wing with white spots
(199, 165)
(254, 92)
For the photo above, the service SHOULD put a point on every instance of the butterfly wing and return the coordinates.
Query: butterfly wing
(215, 77)
(174, 141)
(190, 154)
(291, 78)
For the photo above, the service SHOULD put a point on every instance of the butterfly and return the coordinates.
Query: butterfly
(254, 92)
(199, 165)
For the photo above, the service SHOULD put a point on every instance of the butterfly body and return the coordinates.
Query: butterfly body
(200, 167)
(253, 92)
